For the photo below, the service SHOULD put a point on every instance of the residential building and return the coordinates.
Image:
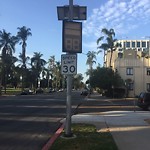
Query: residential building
(132, 61)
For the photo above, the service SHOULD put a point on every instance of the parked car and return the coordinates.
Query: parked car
(84, 92)
(26, 92)
(144, 100)
(39, 91)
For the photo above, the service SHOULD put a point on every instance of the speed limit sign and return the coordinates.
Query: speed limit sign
(68, 64)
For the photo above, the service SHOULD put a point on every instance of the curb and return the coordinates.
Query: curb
(48, 145)
(50, 142)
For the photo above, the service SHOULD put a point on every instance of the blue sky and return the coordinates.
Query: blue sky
(129, 18)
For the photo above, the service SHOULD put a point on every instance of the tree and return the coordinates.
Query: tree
(37, 64)
(91, 57)
(77, 81)
(50, 69)
(22, 35)
(57, 76)
(7, 47)
(110, 44)
(106, 78)
(23, 61)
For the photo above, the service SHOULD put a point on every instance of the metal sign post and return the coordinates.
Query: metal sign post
(68, 132)
(68, 67)
(72, 44)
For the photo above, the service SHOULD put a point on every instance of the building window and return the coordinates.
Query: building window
(148, 71)
(148, 87)
(133, 44)
(138, 44)
(128, 44)
(130, 86)
(129, 71)
(143, 44)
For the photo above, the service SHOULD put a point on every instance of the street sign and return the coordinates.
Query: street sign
(72, 37)
(79, 12)
(68, 64)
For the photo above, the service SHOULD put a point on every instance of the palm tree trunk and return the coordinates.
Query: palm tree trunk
(110, 58)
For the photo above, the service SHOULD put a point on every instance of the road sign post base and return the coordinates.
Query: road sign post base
(71, 136)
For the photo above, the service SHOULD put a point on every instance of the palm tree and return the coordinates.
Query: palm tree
(23, 61)
(7, 47)
(50, 69)
(37, 64)
(58, 78)
(22, 35)
(77, 80)
(110, 44)
(91, 57)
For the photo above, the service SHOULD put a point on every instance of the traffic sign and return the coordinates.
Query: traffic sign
(72, 37)
(68, 64)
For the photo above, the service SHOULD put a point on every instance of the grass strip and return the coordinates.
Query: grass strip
(87, 138)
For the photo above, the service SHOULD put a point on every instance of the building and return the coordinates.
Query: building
(132, 61)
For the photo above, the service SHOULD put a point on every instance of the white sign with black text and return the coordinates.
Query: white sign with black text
(68, 64)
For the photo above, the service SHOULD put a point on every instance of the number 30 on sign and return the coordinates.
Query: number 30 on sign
(68, 64)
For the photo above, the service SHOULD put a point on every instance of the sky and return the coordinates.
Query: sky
(129, 18)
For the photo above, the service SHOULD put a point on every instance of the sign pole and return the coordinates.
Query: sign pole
(72, 44)
(68, 132)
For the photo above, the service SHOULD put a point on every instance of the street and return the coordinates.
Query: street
(27, 122)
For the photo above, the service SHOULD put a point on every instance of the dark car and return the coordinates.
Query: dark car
(26, 92)
(144, 100)
(84, 92)
(39, 91)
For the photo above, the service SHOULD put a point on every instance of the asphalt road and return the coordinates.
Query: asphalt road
(27, 122)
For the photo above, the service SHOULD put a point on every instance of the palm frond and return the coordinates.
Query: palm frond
(100, 39)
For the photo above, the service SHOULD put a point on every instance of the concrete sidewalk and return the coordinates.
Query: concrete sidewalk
(129, 129)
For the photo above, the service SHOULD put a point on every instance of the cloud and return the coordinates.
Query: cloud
(121, 15)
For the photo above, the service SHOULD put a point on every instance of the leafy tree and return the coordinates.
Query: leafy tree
(105, 78)
(110, 44)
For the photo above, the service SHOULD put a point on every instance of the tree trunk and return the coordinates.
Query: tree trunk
(110, 58)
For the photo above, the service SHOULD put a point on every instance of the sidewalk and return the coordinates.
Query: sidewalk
(129, 129)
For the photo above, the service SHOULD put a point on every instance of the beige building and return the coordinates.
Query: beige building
(132, 62)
